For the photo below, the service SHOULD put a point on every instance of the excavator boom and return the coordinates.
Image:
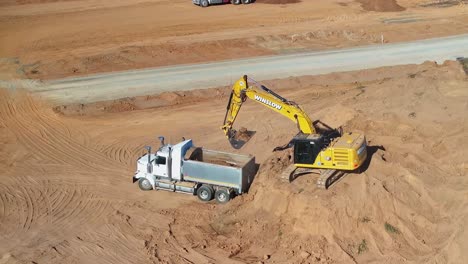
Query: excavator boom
(247, 88)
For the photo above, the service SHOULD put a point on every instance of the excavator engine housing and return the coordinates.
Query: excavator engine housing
(347, 152)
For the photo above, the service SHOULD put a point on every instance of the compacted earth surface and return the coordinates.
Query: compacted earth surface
(48, 39)
(66, 192)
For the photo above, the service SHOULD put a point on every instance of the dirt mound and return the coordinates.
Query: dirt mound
(278, 2)
(21, 2)
(393, 210)
(66, 194)
(381, 5)
(165, 99)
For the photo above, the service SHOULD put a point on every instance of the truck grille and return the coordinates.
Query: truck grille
(341, 157)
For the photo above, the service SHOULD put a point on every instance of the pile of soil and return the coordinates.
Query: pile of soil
(141, 102)
(66, 194)
(381, 5)
(393, 210)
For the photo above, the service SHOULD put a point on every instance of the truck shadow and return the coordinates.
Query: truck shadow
(252, 179)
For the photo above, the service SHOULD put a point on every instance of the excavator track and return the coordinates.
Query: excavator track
(286, 174)
(325, 180)
(292, 172)
(328, 177)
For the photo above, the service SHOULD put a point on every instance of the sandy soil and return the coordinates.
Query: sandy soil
(51, 38)
(66, 194)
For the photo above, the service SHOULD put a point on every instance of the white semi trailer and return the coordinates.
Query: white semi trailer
(185, 168)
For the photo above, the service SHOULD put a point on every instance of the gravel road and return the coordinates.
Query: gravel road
(116, 85)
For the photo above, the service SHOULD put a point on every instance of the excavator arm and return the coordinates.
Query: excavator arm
(247, 88)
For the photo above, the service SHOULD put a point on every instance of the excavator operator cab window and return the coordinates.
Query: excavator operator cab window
(306, 151)
(160, 160)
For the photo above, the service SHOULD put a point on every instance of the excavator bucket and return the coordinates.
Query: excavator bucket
(239, 138)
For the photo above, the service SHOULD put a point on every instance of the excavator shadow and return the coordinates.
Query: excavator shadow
(371, 150)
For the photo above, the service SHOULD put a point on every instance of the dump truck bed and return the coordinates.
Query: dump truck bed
(219, 168)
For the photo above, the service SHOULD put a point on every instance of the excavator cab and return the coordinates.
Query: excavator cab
(306, 150)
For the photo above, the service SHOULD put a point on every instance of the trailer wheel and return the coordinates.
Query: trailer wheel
(144, 184)
(222, 196)
(204, 3)
(205, 193)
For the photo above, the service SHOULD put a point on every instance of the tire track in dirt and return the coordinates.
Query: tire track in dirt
(118, 152)
(31, 200)
(51, 138)
(29, 207)
(123, 247)
(12, 217)
(122, 151)
(18, 121)
(61, 206)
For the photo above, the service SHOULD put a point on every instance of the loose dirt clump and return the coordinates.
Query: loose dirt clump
(381, 5)
(243, 134)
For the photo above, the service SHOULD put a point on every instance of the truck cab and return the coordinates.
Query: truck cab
(166, 162)
(159, 163)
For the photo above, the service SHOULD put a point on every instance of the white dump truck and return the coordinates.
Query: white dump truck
(185, 168)
(206, 3)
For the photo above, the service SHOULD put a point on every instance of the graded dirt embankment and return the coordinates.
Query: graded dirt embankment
(77, 38)
(66, 194)
(381, 5)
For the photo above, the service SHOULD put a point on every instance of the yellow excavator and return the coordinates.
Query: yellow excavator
(326, 151)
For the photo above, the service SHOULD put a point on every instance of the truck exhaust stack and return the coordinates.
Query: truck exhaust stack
(149, 168)
(161, 139)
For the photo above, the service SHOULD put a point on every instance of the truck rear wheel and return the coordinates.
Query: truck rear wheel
(144, 184)
(204, 3)
(235, 2)
(245, 2)
(222, 196)
(205, 193)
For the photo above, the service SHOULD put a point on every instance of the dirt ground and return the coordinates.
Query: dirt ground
(47, 39)
(66, 194)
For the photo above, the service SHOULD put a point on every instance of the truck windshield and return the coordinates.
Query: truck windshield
(160, 160)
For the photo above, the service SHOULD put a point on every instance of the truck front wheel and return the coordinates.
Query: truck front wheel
(222, 196)
(205, 193)
(144, 184)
